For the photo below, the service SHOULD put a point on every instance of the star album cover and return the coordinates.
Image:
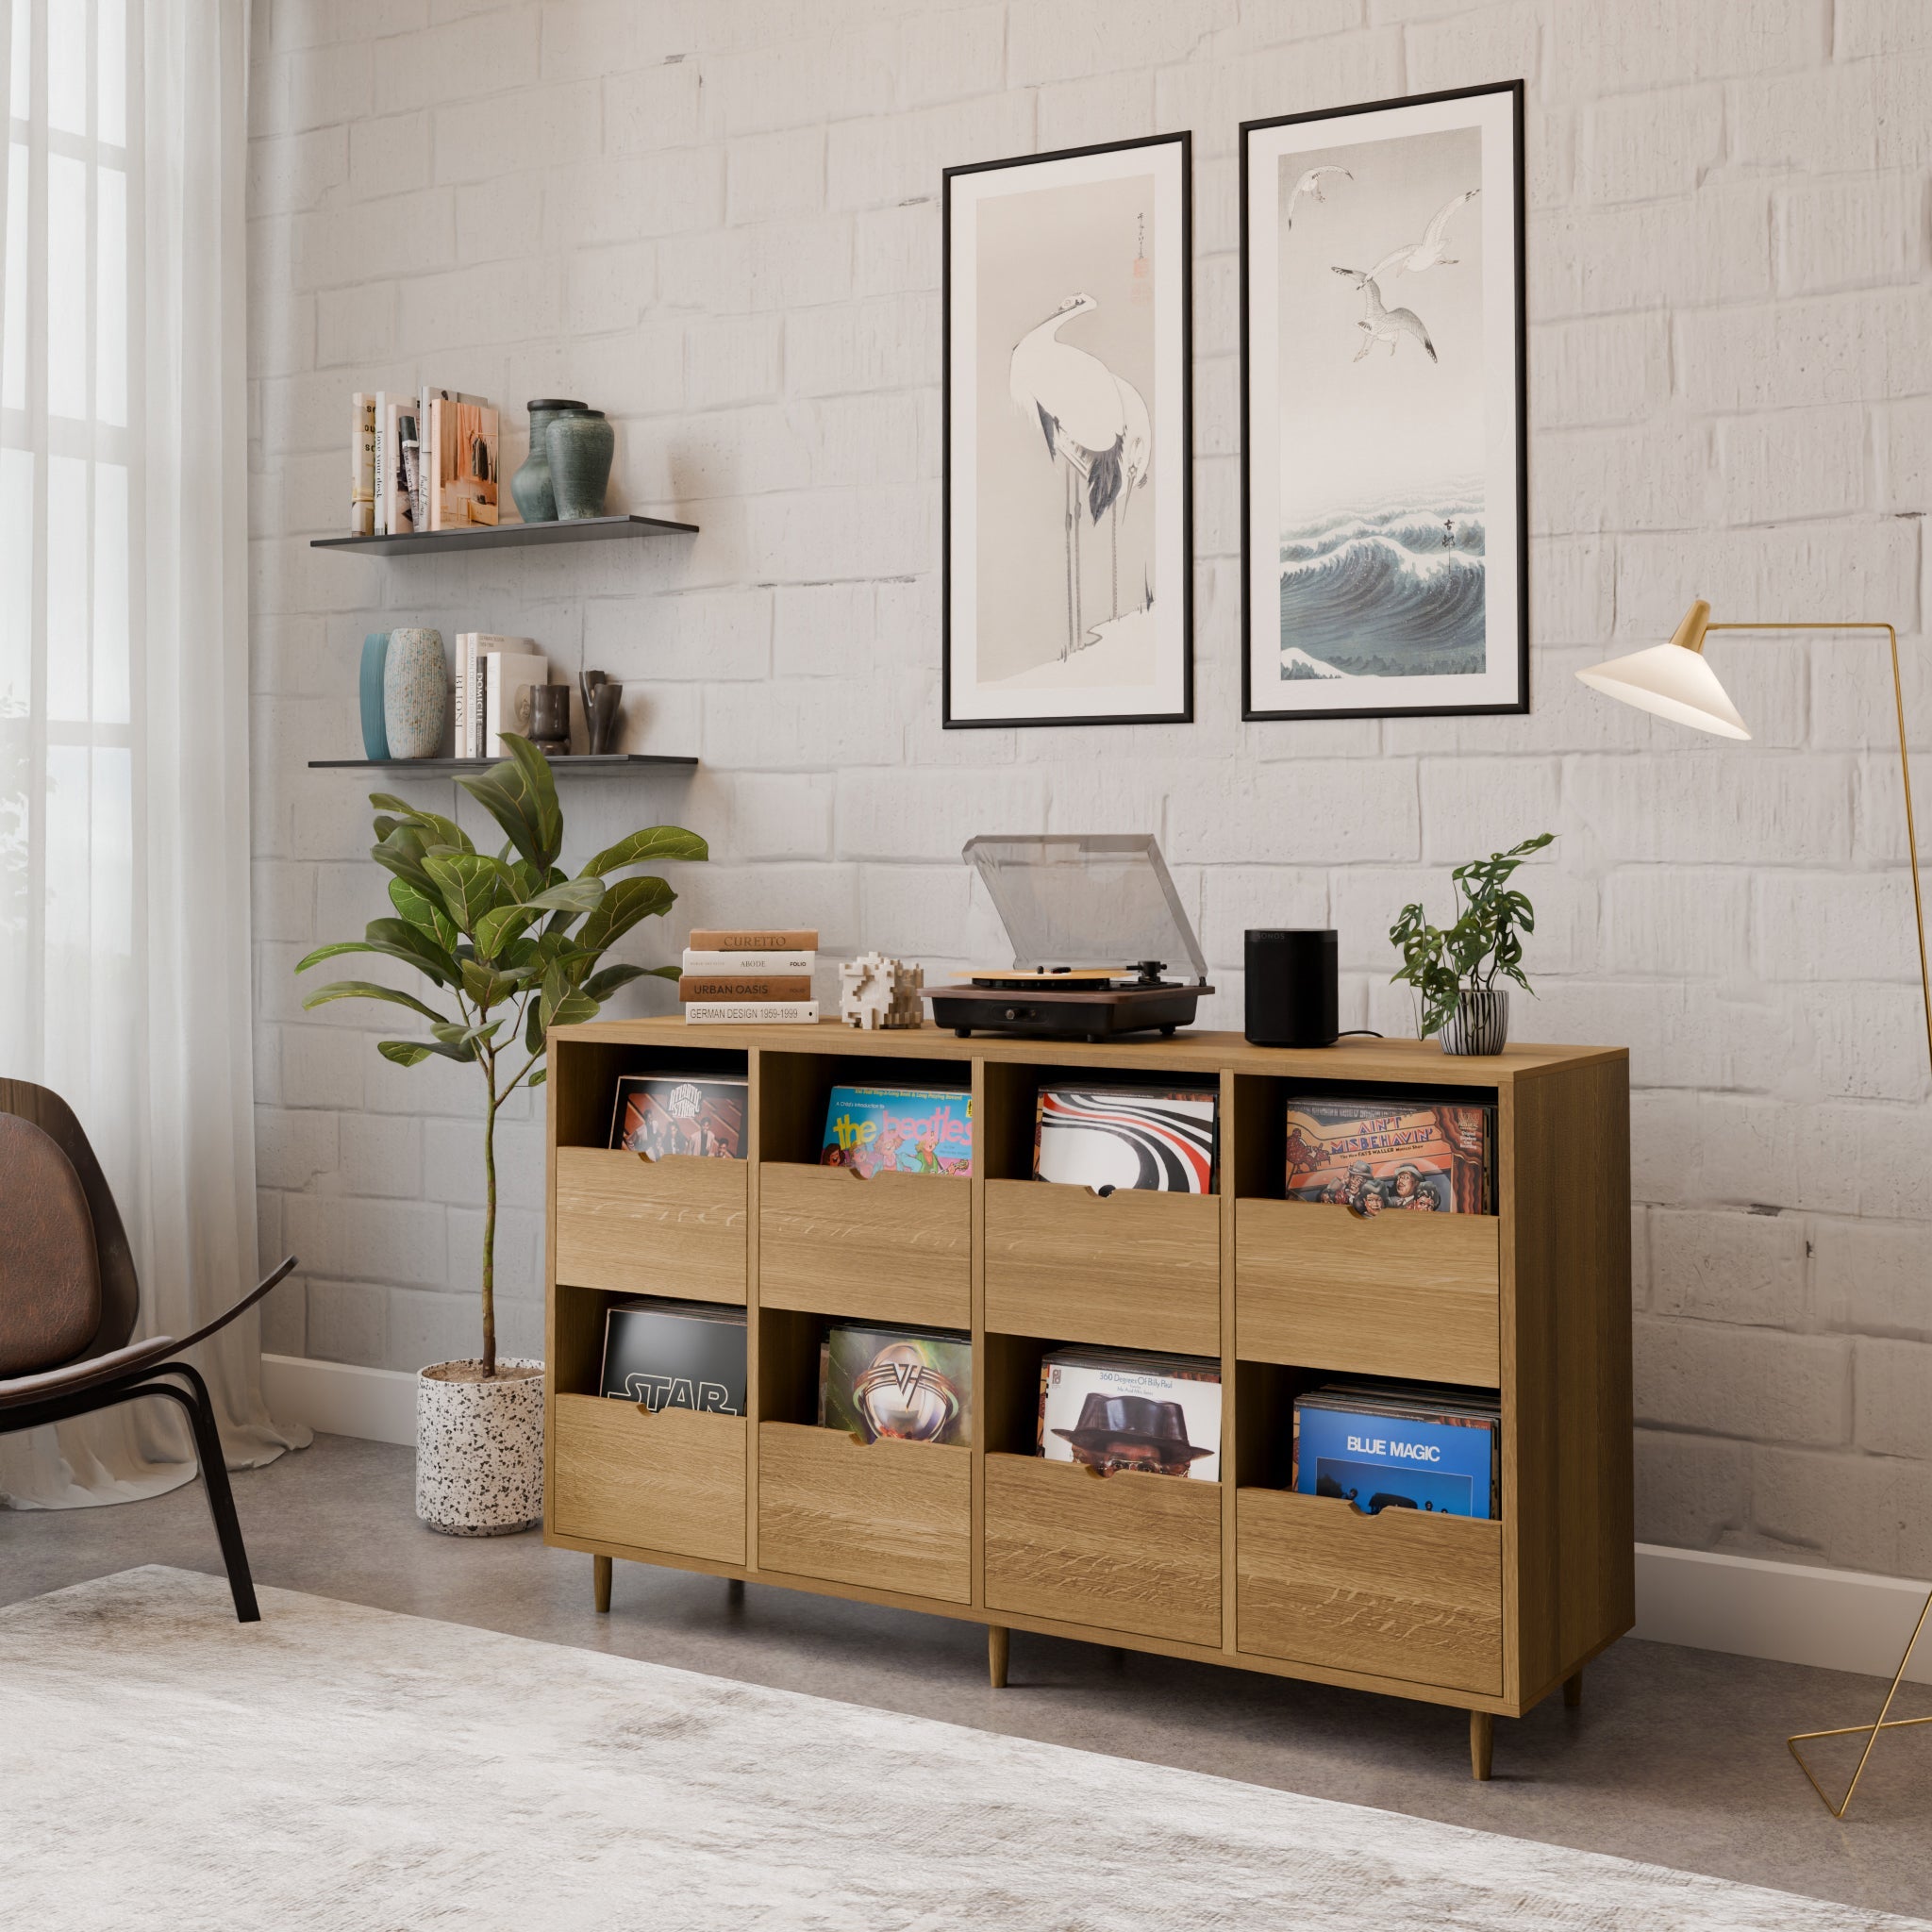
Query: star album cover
(1381, 1152)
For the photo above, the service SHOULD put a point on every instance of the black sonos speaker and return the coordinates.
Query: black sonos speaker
(1292, 988)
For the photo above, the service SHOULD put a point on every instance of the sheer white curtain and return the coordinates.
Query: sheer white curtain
(125, 977)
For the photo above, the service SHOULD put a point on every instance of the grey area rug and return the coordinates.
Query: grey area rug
(347, 1769)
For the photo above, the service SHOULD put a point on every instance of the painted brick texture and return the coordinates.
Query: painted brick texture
(720, 220)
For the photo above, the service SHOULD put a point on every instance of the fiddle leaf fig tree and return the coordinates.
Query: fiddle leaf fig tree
(498, 936)
(1440, 962)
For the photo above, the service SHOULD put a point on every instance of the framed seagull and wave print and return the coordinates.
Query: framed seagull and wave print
(1068, 513)
(1384, 485)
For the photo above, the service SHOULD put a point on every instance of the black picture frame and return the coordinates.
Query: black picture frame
(1183, 377)
(1521, 703)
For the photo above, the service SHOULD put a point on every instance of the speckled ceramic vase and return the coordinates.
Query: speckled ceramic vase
(535, 500)
(479, 1448)
(374, 731)
(415, 693)
(581, 448)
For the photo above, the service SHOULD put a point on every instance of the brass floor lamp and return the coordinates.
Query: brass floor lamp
(1674, 681)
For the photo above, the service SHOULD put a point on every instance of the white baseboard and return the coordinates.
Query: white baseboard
(1836, 1620)
(342, 1399)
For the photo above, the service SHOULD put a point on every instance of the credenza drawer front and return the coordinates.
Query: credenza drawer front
(1133, 1269)
(894, 1248)
(1402, 1595)
(888, 1515)
(672, 1226)
(673, 1481)
(1412, 1295)
(1135, 1553)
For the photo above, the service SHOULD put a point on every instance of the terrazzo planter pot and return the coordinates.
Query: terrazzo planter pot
(479, 1448)
(1479, 1025)
(374, 731)
(581, 448)
(530, 487)
(415, 693)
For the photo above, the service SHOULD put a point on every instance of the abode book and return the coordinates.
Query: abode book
(1103, 1138)
(906, 1129)
(1399, 1445)
(1119, 1411)
(752, 1013)
(1388, 1152)
(786, 961)
(744, 986)
(915, 1384)
(663, 1114)
(664, 1353)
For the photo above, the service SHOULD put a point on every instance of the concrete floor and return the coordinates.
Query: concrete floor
(1677, 1757)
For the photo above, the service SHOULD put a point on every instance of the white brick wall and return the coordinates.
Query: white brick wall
(720, 220)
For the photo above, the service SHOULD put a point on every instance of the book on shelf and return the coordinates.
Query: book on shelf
(1383, 1445)
(666, 1353)
(752, 1013)
(400, 429)
(906, 1129)
(1120, 1411)
(659, 1114)
(754, 939)
(1106, 1136)
(361, 465)
(460, 472)
(744, 986)
(915, 1384)
(1380, 1153)
(790, 960)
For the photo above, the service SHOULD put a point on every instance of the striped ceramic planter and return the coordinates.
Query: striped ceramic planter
(1479, 1025)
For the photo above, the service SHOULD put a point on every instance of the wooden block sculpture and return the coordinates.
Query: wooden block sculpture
(875, 992)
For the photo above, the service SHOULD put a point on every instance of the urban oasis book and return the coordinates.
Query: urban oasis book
(666, 1113)
(1391, 1445)
(668, 1354)
(907, 1129)
(1382, 1151)
(912, 1383)
(1159, 1138)
(1114, 1410)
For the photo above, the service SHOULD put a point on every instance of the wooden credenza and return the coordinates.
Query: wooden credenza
(1533, 1301)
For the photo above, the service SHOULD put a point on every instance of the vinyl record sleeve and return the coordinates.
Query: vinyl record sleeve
(912, 1130)
(1381, 1154)
(675, 1355)
(1161, 1139)
(1441, 1464)
(912, 1383)
(1072, 1381)
(666, 1113)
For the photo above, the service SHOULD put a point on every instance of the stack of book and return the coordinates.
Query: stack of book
(494, 679)
(749, 975)
(425, 460)
(1400, 1445)
(1116, 1410)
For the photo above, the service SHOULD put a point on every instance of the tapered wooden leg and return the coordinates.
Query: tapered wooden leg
(600, 1582)
(1572, 1689)
(734, 1591)
(998, 1639)
(1482, 1745)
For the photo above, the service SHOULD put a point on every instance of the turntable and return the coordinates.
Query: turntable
(1069, 901)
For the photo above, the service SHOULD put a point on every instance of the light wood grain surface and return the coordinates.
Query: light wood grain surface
(674, 1226)
(1402, 1593)
(669, 1481)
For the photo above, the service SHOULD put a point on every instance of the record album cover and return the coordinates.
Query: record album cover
(912, 1130)
(665, 1113)
(668, 1354)
(1431, 1450)
(1128, 1137)
(1115, 1410)
(912, 1383)
(1382, 1154)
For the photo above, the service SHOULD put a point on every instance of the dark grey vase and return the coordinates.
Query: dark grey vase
(535, 500)
(581, 448)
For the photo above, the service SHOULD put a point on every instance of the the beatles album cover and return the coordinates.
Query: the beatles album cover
(912, 1383)
(1117, 1412)
(1385, 1446)
(1380, 1153)
(912, 1130)
(665, 1113)
(1128, 1137)
(675, 1355)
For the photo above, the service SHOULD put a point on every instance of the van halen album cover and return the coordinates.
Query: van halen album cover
(911, 1129)
(1376, 1155)
(1128, 1137)
(912, 1383)
(661, 1114)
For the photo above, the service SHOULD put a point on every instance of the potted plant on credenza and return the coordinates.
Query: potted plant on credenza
(515, 945)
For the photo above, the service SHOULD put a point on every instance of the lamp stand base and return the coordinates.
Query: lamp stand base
(1869, 1732)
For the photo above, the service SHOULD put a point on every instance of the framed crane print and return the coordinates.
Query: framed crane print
(1068, 499)
(1384, 476)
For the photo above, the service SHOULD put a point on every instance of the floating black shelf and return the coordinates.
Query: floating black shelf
(505, 536)
(594, 764)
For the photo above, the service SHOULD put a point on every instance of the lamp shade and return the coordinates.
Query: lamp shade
(1673, 680)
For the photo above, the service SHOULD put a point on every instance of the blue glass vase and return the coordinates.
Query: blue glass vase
(374, 732)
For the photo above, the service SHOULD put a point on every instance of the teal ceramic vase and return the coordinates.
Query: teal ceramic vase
(581, 448)
(374, 731)
(530, 487)
(415, 693)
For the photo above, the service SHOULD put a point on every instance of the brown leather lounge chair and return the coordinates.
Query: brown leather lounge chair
(69, 1296)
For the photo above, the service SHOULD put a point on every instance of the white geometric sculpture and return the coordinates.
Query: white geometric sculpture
(875, 992)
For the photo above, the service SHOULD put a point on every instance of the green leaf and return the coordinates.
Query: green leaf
(403, 849)
(643, 848)
(438, 829)
(413, 943)
(409, 957)
(368, 989)
(665, 972)
(600, 986)
(573, 895)
(520, 795)
(501, 927)
(424, 912)
(471, 885)
(453, 1035)
(537, 1078)
(624, 905)
(406, 1052)
(485, 988)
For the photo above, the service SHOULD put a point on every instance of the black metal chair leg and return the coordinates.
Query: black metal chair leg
(220, 1498)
